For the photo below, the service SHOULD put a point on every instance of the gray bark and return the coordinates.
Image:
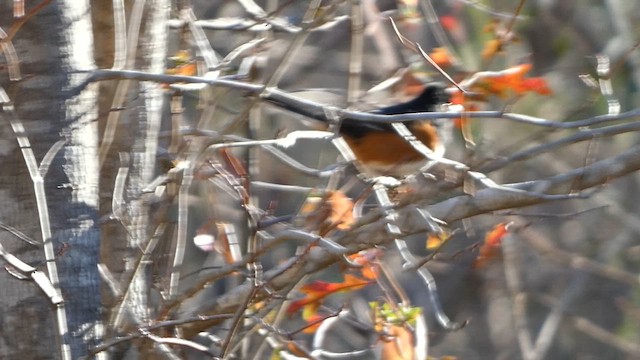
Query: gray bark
(52, 48)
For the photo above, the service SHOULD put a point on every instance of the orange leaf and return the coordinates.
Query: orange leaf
(295, 349)
(183, 64)
(333, 210)
(491, 48)
(181, 57)
(494, 237)
(368, 260)
(341, 210)
(441, 56)
(434, 241)
(316, 291)
(370, 272)
(502, 35)
(458, 98)
(511, 80)
(463, 123)
(185, 70)
(520, 70)
(492, 243)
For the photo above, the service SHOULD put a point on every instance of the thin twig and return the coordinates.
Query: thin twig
(200, 38)
(235, 323)
(370, 229)
(582, 135)
(435, 26)
(120, 35)
(122, 90)
(183, 217)
(415, 47)
(578, 262)
(23, 20)
(355, 52)
(43, 217)
(318, 111)
(518, 298)
(410, 260)
(632, 349)
(142, 263)
(50, 155)
(20, 235)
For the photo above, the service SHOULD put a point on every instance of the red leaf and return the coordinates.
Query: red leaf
(316, 291)
(492, 245)
(449, 23)
(538, 85)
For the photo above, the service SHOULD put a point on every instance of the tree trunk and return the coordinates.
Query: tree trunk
(53, 48)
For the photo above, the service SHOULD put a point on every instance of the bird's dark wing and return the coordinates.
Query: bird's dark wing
(432, 96)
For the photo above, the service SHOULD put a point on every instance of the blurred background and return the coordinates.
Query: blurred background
(564, 284)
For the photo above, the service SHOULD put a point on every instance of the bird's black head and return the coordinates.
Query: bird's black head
(434, 94)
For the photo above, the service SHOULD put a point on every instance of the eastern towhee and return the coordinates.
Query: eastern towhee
(382, 151)
(377, 146)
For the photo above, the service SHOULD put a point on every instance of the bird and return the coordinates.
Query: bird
(378, 147)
